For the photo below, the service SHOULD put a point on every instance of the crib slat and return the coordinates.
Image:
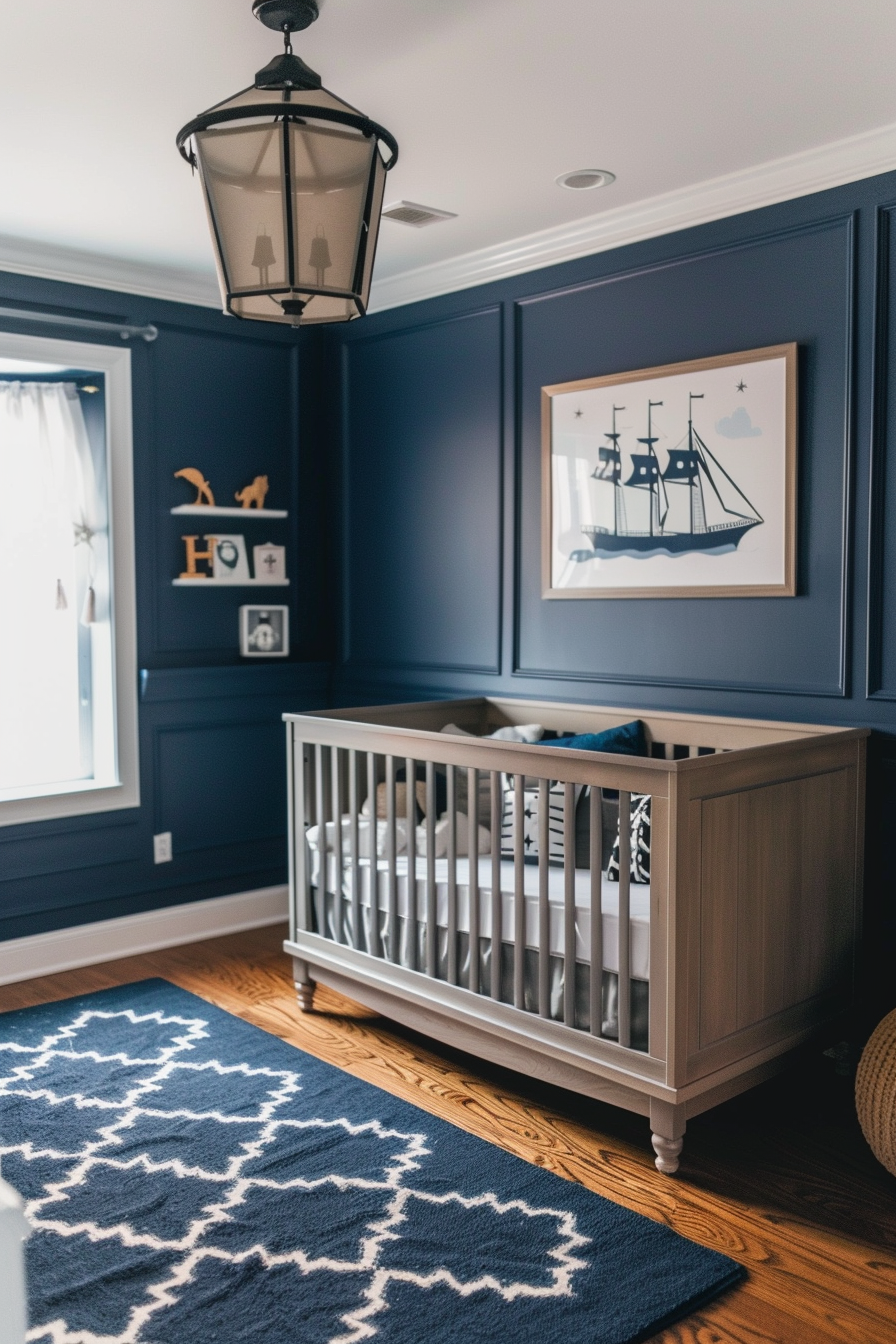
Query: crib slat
(410, 775)
(452, 875)
(432, 932)
(544, 909)
(624, 927)
(497, 910)
(354, 845)
(299, 914)
(336, 804)
(473, 868)
(569, 904)
(596, 863)
(391, 861)
(320, 808)
(519, 894)
(376, 949)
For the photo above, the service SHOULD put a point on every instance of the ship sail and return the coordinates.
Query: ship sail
(645, 471)
(610, 466)
(684, 466)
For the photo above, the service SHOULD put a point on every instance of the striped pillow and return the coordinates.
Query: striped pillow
(531, 809)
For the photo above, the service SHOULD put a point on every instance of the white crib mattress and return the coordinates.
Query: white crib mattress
(639, 904)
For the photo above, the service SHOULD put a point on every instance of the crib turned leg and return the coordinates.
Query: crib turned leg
(667, 1152)
(305, 986)
(667, 1123)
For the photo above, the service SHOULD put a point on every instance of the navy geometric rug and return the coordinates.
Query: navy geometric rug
(192, 1179)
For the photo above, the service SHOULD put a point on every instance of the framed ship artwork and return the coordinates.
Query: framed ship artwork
(678, 481)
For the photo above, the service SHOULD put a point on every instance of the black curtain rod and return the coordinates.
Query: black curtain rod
(124, 329)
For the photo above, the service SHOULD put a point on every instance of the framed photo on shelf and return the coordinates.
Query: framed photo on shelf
(264, 631)
(229, 563)
(677, 481)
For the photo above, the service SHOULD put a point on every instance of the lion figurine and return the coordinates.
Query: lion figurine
(254, 493)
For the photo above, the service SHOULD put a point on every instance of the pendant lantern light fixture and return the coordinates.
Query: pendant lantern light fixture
(293, 180)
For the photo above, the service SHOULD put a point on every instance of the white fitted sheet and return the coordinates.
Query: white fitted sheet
(639, 904)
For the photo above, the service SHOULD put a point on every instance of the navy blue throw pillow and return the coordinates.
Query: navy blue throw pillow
(628, 739)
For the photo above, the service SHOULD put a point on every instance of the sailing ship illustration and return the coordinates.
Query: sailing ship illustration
(686, 507)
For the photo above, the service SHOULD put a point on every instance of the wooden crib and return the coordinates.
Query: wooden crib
(740, 949)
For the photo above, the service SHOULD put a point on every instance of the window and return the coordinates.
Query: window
(68, 712)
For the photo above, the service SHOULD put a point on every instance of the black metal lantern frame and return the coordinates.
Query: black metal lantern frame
(293, 179)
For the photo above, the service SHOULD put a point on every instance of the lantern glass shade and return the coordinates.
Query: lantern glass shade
(294, 206)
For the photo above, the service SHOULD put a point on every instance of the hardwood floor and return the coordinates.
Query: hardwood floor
(780, 1179)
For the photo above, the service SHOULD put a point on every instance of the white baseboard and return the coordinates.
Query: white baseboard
(129, 935)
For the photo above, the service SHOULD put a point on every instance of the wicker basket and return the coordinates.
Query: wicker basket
(876, 1092)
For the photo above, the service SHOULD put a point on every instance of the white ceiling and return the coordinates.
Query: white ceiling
(490, 100)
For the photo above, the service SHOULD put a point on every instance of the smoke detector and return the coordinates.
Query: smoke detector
(417, 216)
(585, 179)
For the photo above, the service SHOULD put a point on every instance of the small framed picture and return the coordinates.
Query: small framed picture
(264, 632)
(270, 562)
(230, 564)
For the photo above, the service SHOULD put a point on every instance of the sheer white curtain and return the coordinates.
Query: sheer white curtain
(53, 534)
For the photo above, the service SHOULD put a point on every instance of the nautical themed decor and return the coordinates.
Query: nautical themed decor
(195, 477)
(269, 562)
(293, 180)
(253, 494)
(264, 632)
(677, 481)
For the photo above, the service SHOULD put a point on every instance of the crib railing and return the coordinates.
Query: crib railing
(372, 833)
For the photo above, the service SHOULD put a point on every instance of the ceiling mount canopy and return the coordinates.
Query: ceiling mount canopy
(290, 15)
(293, 180)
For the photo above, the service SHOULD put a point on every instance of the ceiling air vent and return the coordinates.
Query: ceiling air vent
(418, 216)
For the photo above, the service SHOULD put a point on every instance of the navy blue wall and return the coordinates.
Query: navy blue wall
(438, 430)
(230, 398)
(407, 447)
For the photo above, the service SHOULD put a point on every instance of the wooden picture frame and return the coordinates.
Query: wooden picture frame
(693, 520)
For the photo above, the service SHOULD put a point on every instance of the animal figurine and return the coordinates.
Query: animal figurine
(253, 494)
(195, 477)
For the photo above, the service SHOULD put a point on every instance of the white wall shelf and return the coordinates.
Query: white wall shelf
(222, 511)
(229, 583)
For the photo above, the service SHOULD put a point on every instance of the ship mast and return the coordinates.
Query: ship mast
(610, 469)
(655, 467)
(683, 468)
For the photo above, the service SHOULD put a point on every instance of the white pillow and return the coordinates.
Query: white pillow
(524, 732)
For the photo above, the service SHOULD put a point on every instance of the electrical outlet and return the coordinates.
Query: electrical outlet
(161, 848)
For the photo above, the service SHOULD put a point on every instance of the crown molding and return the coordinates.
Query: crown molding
(23, 256)
(830, 165)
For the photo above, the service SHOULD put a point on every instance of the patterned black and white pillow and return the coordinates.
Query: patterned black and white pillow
(640, 842)
(531, 806)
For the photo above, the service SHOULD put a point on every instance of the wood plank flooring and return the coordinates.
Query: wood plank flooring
(780, 1179)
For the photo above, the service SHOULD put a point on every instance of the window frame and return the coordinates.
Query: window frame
(86, 797)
